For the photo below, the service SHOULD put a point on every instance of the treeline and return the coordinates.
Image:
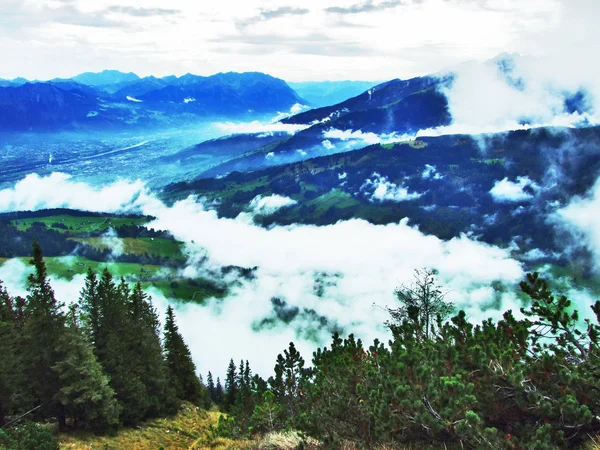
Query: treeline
(99, 365)
(519, 383)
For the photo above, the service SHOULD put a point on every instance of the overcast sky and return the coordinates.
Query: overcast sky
(310, 40)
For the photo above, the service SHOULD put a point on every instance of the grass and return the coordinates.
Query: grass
(413, 143)
(186, 289)
(138, 246)
(79, 224)
(189, 429)
(336, 198)
(69, 266)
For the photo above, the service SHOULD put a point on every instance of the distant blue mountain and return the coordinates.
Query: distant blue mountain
(327, 93)
(106, 77)
(223, 93)
(71, 103)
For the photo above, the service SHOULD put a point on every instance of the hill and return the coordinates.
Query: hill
(446, 185)
(90, 101)
(326, 93)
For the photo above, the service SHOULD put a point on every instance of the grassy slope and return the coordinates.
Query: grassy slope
(80, 224)
(138, 246)
(189, 429)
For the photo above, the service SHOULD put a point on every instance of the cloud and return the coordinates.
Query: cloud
(365, 7)
(332, 274)
(363, 138)
(513, 92)
(256, 126)
(508, 191)
(431, 172)
(142, 12)
(271, 14)
(271, 126)
(581, 219)
(111, 240)
(384, 190)
(268, 205)
(59, 191)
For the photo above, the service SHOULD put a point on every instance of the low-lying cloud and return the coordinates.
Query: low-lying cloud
(523, 189)
(381, 189)
(514, 92)
(270, 204)
(332, 274)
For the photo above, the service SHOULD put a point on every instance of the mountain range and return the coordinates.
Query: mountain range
(114, 99)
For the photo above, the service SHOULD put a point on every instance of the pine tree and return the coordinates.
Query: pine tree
(148, 355)
(9, 371)
(89, 303)
(85, 392)
(212, 390)
(219, 393)
(231, 386)
(182, 371)
(289, 374)
(116, 349)
(43, 329)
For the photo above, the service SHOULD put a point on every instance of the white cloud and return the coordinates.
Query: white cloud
(383, 190)
(270, 204)
(363, 138)
(58, 191)
(327, 144)
(509, 191)
(581, 218)
(431, 172)
(358, 264)
(259, 127)
(133, 99)
(113, 242)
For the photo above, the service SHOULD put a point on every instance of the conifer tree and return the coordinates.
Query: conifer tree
(289, 375)
(9, 371)
(43, 329)
(219, 393)
(91, 309)
(84, 393)
(231, 386)
(116, 350)
(212, 390)
(182, 371)
(149, 360)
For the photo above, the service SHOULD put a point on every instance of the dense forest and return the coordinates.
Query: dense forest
(98, 365)
(528, 381)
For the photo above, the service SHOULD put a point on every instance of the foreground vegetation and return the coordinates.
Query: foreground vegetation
(528, 381)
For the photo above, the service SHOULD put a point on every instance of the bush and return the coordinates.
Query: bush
(28, 436)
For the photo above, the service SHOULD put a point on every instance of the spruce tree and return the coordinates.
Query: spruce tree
(91, 309)
(182, 371)
(9, 373)
(231, 386)
(219, 393)
(116, 349)
(43, 329)
(85, 392)
(148, 355)
(212, 390)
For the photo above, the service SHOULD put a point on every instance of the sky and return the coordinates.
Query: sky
(312, 40)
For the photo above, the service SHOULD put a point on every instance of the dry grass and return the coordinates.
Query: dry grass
(189, 429)
(593, 444)
(286, 440)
